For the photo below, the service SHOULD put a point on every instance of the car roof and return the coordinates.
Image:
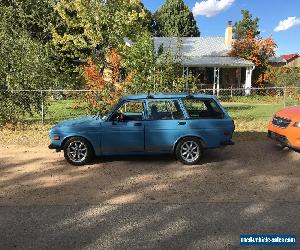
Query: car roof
(165, 96)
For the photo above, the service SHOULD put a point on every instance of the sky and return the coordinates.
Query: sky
(278, 18)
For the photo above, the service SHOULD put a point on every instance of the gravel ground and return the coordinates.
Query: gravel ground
(148, 202)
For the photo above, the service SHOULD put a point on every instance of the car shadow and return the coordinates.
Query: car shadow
(134, 158)
(209, 156)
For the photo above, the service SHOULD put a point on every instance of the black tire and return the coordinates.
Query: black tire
(84, 150)
(196, 154)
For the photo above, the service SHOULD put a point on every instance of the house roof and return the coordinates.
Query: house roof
(277, 59)
(289, 57)
(217, 61)
(203, 51)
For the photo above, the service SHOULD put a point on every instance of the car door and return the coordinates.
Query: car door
(123, 133)
(165, 124)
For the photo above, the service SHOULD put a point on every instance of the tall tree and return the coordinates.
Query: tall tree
(246, 25)
(257, 50)
(155, 69)
(90, 26)
(25, 64)
(175, 19)
(35, 18)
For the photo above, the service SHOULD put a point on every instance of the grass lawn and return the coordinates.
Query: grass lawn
(61, 110)
(249, 117)
(253, 116)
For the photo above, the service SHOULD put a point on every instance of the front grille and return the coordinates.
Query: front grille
(281, 122)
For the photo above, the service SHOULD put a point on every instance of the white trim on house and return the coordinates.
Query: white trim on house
(248, 82)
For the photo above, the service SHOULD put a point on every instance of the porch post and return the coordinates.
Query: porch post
(239, 77)
(216, 81)
(185, 71)
(186, 74)
(248, 83)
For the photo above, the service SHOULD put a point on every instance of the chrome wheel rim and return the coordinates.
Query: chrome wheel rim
(77, 151)
(190, 151)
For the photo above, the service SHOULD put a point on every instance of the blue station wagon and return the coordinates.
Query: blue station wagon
(180, 124)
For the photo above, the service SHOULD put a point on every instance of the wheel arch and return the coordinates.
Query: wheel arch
(203, 143)
(78, 136)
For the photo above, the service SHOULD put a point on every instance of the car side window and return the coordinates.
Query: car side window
(202, 108)
(164, 110)
(129, 111)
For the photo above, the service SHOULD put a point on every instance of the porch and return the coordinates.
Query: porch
(217, 78)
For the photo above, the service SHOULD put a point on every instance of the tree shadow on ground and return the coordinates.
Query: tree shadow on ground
(154, 202)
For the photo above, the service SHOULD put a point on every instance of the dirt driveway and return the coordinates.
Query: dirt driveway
(252, 170)
(148, 202)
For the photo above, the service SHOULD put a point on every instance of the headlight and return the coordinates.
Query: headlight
(297, 124)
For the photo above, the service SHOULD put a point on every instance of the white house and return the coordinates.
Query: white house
(207, 59)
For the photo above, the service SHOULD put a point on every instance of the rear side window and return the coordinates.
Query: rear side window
(164, 110)
(202, 109)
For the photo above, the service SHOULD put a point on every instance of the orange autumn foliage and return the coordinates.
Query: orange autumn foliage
(93, 76)
(107, 88)
(115, 61)
(257, 50)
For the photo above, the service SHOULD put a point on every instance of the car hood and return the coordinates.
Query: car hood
(88, 121)
(292, 113)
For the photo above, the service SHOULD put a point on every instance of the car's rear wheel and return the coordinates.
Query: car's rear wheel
(189, 150)
(78, 151)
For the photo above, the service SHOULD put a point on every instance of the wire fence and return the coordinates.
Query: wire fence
(255, 105)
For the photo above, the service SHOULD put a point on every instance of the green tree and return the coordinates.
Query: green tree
(246, 25)
(154, 71)
(283, 76)
(175, 19)
(27, 62)
(35, 18)
(23, 65)
(91, 27)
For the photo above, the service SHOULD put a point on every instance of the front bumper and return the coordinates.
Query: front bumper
(283, 140)
(57, 148)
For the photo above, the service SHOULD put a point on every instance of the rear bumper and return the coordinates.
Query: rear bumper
(57, 148)
(283, 140)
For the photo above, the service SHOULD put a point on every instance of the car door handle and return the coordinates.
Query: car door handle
(138, 124)
(181, 123)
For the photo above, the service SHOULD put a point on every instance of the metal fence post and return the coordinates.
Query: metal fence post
(284, 95)
(42, 107)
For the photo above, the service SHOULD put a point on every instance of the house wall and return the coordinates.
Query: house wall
(230, 77)
(204, 76)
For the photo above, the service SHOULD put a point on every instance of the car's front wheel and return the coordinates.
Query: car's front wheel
(78, 151)
(189, 151)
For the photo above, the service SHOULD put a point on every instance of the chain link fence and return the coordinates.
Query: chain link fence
(249, 107)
